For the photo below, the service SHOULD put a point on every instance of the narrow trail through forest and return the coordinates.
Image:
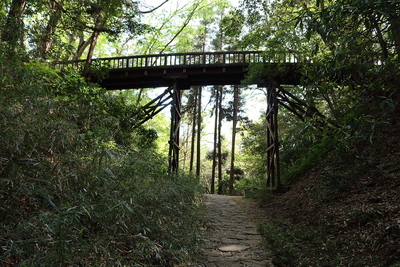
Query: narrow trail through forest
(231, 238)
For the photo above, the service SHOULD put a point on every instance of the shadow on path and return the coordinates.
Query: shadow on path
(232, 238)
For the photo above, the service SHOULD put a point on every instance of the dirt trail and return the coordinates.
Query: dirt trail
(232, 238)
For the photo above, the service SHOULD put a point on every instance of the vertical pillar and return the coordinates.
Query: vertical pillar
(273, 170)
(176, 116)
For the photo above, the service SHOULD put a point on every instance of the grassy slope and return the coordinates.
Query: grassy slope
(342, 213)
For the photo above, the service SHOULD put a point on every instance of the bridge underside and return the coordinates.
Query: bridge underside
(187, 76)
(181, 77)
(180, 71)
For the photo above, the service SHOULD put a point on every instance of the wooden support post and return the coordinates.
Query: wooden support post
(273, 170)
(176, 116)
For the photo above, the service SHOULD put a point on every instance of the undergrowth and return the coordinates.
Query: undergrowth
(342, 210)
(126, 213)
(79, 186)
(287, 242)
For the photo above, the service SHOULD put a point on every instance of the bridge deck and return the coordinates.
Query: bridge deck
(189, 69)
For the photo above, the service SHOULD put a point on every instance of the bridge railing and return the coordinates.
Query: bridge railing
(185, 59)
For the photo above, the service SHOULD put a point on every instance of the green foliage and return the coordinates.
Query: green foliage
(78, 184)
(238, 185)
(353, 49)
(252, 188)
(292, 245)
(60, 29)
(287, 242)
(116, 211)
(210, 155)
(309, 156)
(98, 69)
(232, 23)
(302, 149)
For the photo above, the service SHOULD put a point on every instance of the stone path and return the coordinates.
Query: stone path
(232, 239)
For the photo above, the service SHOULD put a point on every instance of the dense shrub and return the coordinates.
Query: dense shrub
(76, 189)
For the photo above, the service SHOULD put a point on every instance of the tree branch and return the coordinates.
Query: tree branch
(182, 28)
(154, 9)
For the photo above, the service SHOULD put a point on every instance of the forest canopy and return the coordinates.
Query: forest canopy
(80, 176)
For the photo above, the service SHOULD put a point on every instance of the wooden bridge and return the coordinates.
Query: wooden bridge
(180, 71)
(187, 69)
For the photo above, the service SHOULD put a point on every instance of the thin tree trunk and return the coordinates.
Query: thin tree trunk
(139, 97)
(328, 100)
(220, 161)
(234, 125)
(381, 40)
(183, 150)
(194, 115)
(198, 162)
(395, 28)
(214, 157)
(95, 38)
(82, 46)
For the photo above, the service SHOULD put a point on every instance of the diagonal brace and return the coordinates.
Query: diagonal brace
(156, 105)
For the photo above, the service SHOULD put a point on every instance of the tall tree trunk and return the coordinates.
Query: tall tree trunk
(82, 46)
(194, 116)
(214, 157)
(13, 31)
(95, 38)
(183, 149)
(234, 125)
(199, 120)
(48, 33)
(395, 28)
(220, 161)
(93, 42)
